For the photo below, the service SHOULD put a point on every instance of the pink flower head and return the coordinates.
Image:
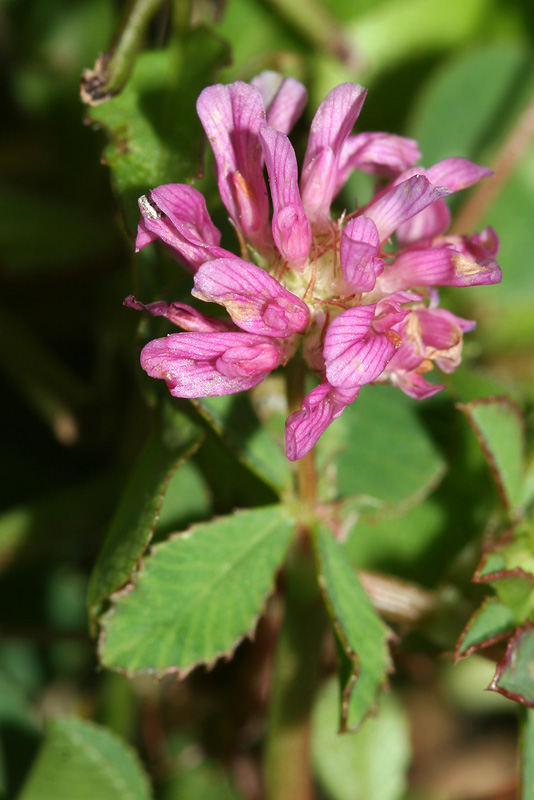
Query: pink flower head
(357, 290)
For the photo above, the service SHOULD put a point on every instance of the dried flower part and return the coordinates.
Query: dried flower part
(358, 291)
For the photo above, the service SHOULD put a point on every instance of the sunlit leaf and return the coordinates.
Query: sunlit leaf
(84, 761)
(197, 595)
(361, 635)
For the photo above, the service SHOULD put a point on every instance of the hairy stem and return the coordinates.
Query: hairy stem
(287, 766)
(113, 68)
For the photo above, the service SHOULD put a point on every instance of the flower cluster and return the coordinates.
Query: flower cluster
(361, 305)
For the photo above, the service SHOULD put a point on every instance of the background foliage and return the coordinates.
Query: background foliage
(78, 433)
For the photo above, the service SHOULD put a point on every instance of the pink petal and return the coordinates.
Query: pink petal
(397, 204)
(456, 173)
(256, 301)
(414, 385)
(232, 117)
(284, 99)
(360, 246)
(322, 405)
(354, 354)
(377, 153)
(291, 228)
(210, 364)
(330, 128)
(438, 266)
(184, 316)
(428, 223)
(177, 214)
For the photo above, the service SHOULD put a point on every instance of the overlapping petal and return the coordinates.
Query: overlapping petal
(211, 364)
(177, 214)
(382, 154)
(330, 128)
(182, 315)
(319, 408)
(359, 251)
(284, 99)
(232, 117)
(256, 301)
(291, 227)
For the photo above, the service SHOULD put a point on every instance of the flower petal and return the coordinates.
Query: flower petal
(210, 364)
(322, 405)
(456, 173)
(354, 354)
(360, 246)
(232, 117)
(177, 214)
(400, 202)
(376, 153)
(256, 301)
(330, 128)
(184, 316)
(291, 228)
(284, 99)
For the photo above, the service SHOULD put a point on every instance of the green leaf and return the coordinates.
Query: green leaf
(368, 765)
(234, 419)
(361, 635)
(527, 757)
(379, 451)
(205, 781)
(515, 673)
(156, 136)
(498, 424)
(174, 439)
(491, 622)
(85, 761)
(197, 595)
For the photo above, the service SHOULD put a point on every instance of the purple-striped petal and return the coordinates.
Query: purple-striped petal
(354, 354)
(184, 316)
(330, 128)
(291, 228)
(400, 202)
(438, 266)
(210, 364)
(456, 173)
(177, 214)
(256, 301)
(359, 249)
(382, 154)
(319, 408)
(414, 385)
(232, 117)
(284, 99)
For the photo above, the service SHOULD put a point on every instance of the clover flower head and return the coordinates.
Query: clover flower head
(357, 293)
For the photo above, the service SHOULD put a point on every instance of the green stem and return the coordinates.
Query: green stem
(527, 756)
(112, 69)
(288, 773)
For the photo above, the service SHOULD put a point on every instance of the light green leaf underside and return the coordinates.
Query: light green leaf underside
(515, 673)
(362, 636)
(174, 439)
(368, 765)
(235, 420)
(198, 594)
(80, 760)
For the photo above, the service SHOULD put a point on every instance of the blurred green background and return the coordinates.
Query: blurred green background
(458, 75)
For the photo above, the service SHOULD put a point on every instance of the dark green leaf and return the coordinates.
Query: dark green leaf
(361, 635)
(156, 136)
(498, 425)
(492, 621)
(197, 595)
(234, 419)
(379, 451)
(174, 440)
(85, 761)
(515, 673)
